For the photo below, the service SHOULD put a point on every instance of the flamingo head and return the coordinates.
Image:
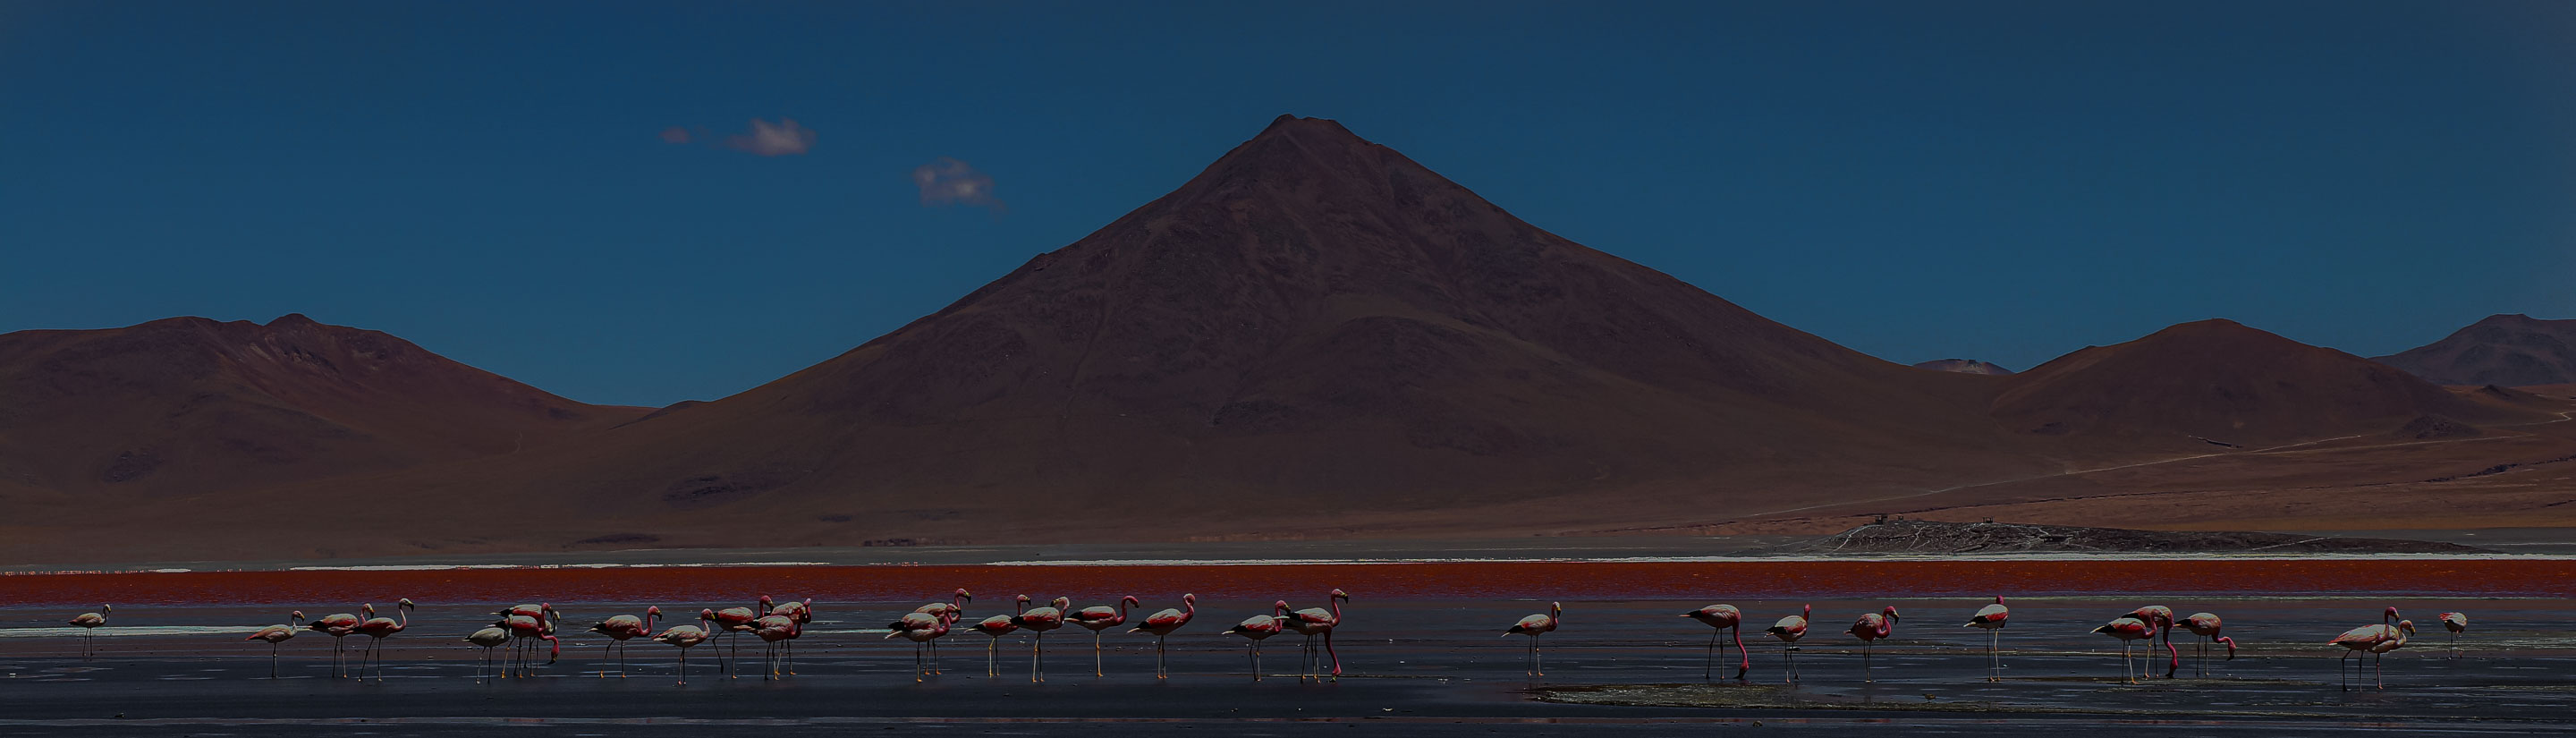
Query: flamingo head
(706, 613)
(1341, 595)
(2391, 614)
(1805, 611)
(964, 595)
(297, 616)
(1278, 607)
(655, 611)
(105, 609)
(2406, 625)
(764, 604)
(1890, 612)
(367, 607)
(1189, 599)
(1129, 600)
(1061, 602)
(1999, 599)
(1555, 608)
(404, 604)
(2231, 646)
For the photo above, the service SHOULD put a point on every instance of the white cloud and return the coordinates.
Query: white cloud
(949, 181)
(783, 139)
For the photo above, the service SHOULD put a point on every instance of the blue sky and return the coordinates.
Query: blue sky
(2006, 181)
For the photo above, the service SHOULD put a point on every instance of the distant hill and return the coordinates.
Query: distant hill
(2502, 350)
(190, 406)
(1963, 366)
(2221, 383)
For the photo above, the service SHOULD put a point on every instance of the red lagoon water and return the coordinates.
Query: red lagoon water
(1430, 581)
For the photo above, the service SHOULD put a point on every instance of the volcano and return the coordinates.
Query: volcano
(188, 406)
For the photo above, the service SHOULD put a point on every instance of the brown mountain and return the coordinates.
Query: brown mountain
(2503, 350)
(1314, 336)
(190, 405)
(1964, 366)
(2218, 382)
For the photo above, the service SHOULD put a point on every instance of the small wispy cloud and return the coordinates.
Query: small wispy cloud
(948, 181)
(675, 134)
(785, 138)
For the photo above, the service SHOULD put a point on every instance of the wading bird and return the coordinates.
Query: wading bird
(379, 629)
(802, 611)
(89, 623)
(2129, 630)
(2207, 626)
(921, 629)
(488, 638)
(1315, 621)
(954, 609)
(619, 629)
(276, 634)
(686, 636)
(1162, 623)
(2363, 640)
(1038, 621)
(2456, 622)
(526, 631)
(2162, 618)
(1259, 628)
(775, 631)
(996, 627)
(1099, 618)
(1992, 618)
(1870, 628)
(1535, 626)
(736, 621)
(338, 625)
(1789, 630)
(1720, 618)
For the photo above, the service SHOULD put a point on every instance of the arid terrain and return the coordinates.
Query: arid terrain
(1314, 338)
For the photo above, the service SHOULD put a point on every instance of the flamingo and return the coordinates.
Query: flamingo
(89, 623)
(1259, 628)
(2162, 618)
(736, 621)
(774, 631)
(2456, 622)
(338, 625)
(1162, 623)
(954, 609)
(619, 629)
(1314, 621)
(539, 610)
(1721, 618)
(802, 611)
(488, 638)
(2363, 639)
(276, 634)
(923, 629)
(1869, 628)
(525, 630)
(996, 627)
(1535, 626)
(1992, 618)
(2207, 626)
(2128, 630)
(1039, 620)
(379, 629)
(1789, 630)
(1099, 618)
(2397, 639)
(686, 636)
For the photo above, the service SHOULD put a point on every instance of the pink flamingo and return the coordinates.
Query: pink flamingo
(2207, 627)
(489, 638)
(802, 612)
(1721, 618)
(736, 621)
(619, 629)
(1535, 626)
(1259, 628)
(2456, 622)
(1870, 628)
(1992, 619)
(2362, 640)
(995, 627)
(526, 631)
(1162, 623)
(924, 628)
(1038, 621)
(379, 629)
(773, 631)
(1099, 618)
(955, 608)
(687, 636)
(337, 625)
(89, 623)
(2162, 618)
(1789, 630)
(276, 634)
(1314, 621)
(2129, 630)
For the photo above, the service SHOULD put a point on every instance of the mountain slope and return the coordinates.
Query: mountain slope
(2503, 350)
(1964, 366)
(2216, 381)
(190, 405)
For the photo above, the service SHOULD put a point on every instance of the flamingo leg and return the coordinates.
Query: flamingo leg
(1037, 656)
(1095, 655)
(684, 668)
(1864, 663)
(992, 649)
(1538, 660)
(1255, 648)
